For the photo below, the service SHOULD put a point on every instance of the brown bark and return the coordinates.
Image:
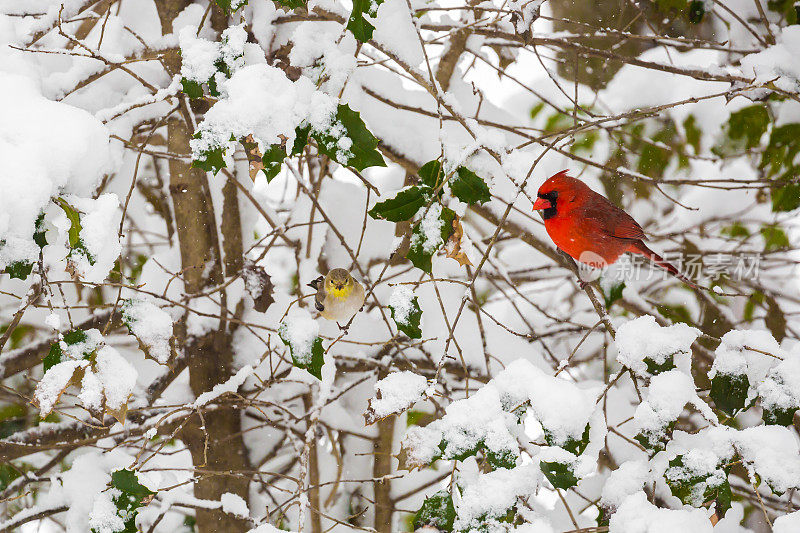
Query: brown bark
(382, 466)
(213, 438)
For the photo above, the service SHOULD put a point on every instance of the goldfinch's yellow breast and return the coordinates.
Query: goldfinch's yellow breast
(344, 292)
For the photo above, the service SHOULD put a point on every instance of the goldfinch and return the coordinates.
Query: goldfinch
(339, 296)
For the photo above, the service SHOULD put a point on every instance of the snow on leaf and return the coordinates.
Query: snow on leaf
(258, 285)
(394, 394)
(357, 24)
(348, 141)
(454, 244)
(300, 333)
(429, 234)
(151, 325)
(642, 344)
(406, 312)
(53, 384)
(437, 511)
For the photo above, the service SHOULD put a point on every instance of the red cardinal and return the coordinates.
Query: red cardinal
(589, 228)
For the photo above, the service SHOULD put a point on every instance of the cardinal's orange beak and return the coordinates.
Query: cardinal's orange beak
(541, 203)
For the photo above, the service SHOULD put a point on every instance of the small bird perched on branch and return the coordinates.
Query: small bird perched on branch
(589, 228)
(339, 296)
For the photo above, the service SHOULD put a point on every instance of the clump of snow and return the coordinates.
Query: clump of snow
(642, 338)
(733, 356)
(299, 329)
(151, 325)
(117, 376)
(637, 515)
(53, 383)
(325, 56)
(99, 220)
(53, 320)
(788, 523)
(773, 453)
(202, 60)
(402, 301)
(776, 63)
(394, 29)
(78, 350)
(74, 159)
(104, 517)
(697, 464)
(667, 395)
(626, 480)
(263, 102)
(494, 493)
(234, 504)
(395, 393)
(781, 388)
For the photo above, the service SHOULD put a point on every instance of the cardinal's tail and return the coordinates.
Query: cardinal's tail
(640, 247)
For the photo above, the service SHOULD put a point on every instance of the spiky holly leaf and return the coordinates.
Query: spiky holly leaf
(191, 88)
(132, 495)
(300, 139)
(729, 392)
(403, 206)
(230, 6)
(211, 161)
(272, 161)
(349, 142)
(437, 511)
(71, 338)
(469, 187)
(428, 235)
(357, 24)
(39, 232)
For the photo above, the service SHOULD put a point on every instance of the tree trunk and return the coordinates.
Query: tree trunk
(214, 437)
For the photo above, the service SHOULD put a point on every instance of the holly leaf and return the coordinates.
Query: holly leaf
(272, 161)
(39, 234)
(614, 293)
(729, 392)
(410, 324)
(437, 511)
(469, 187)
(75, 222)
(357, 24)
(300, 139)
(560, 475)
(424, 242)
(431, 174)
(19, 269)
(192, 88)
(403, 206)
(132, 495)
(259, 286)
(211, 161)
(312, 364)
(453, 245)
(355, 147)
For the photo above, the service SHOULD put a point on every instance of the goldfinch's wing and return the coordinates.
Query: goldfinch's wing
(319, 300)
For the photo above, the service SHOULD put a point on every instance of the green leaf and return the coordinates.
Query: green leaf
(211, 161)
(469, 187)
(19, 269)
(501, 459)
(422, 247)
(572, 445)
(774, 238)
(735, 230)
(75, 222)
(132, 496)
(314, 365)
(437, 511)
(697, 488)
(53, 357)
(431, 174)
(786, 198)
(782, 149)
(535, 110)
(693, 133)
(272, 160)
(357, 24)
(39, 236)
(362, 150)
(300, 139)
(614, 294)
(411, 325)
(748, 125)
(560, 475)
(193, 89)
(779, 416)
(230, 6)
(403, 206)
(729, 392)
